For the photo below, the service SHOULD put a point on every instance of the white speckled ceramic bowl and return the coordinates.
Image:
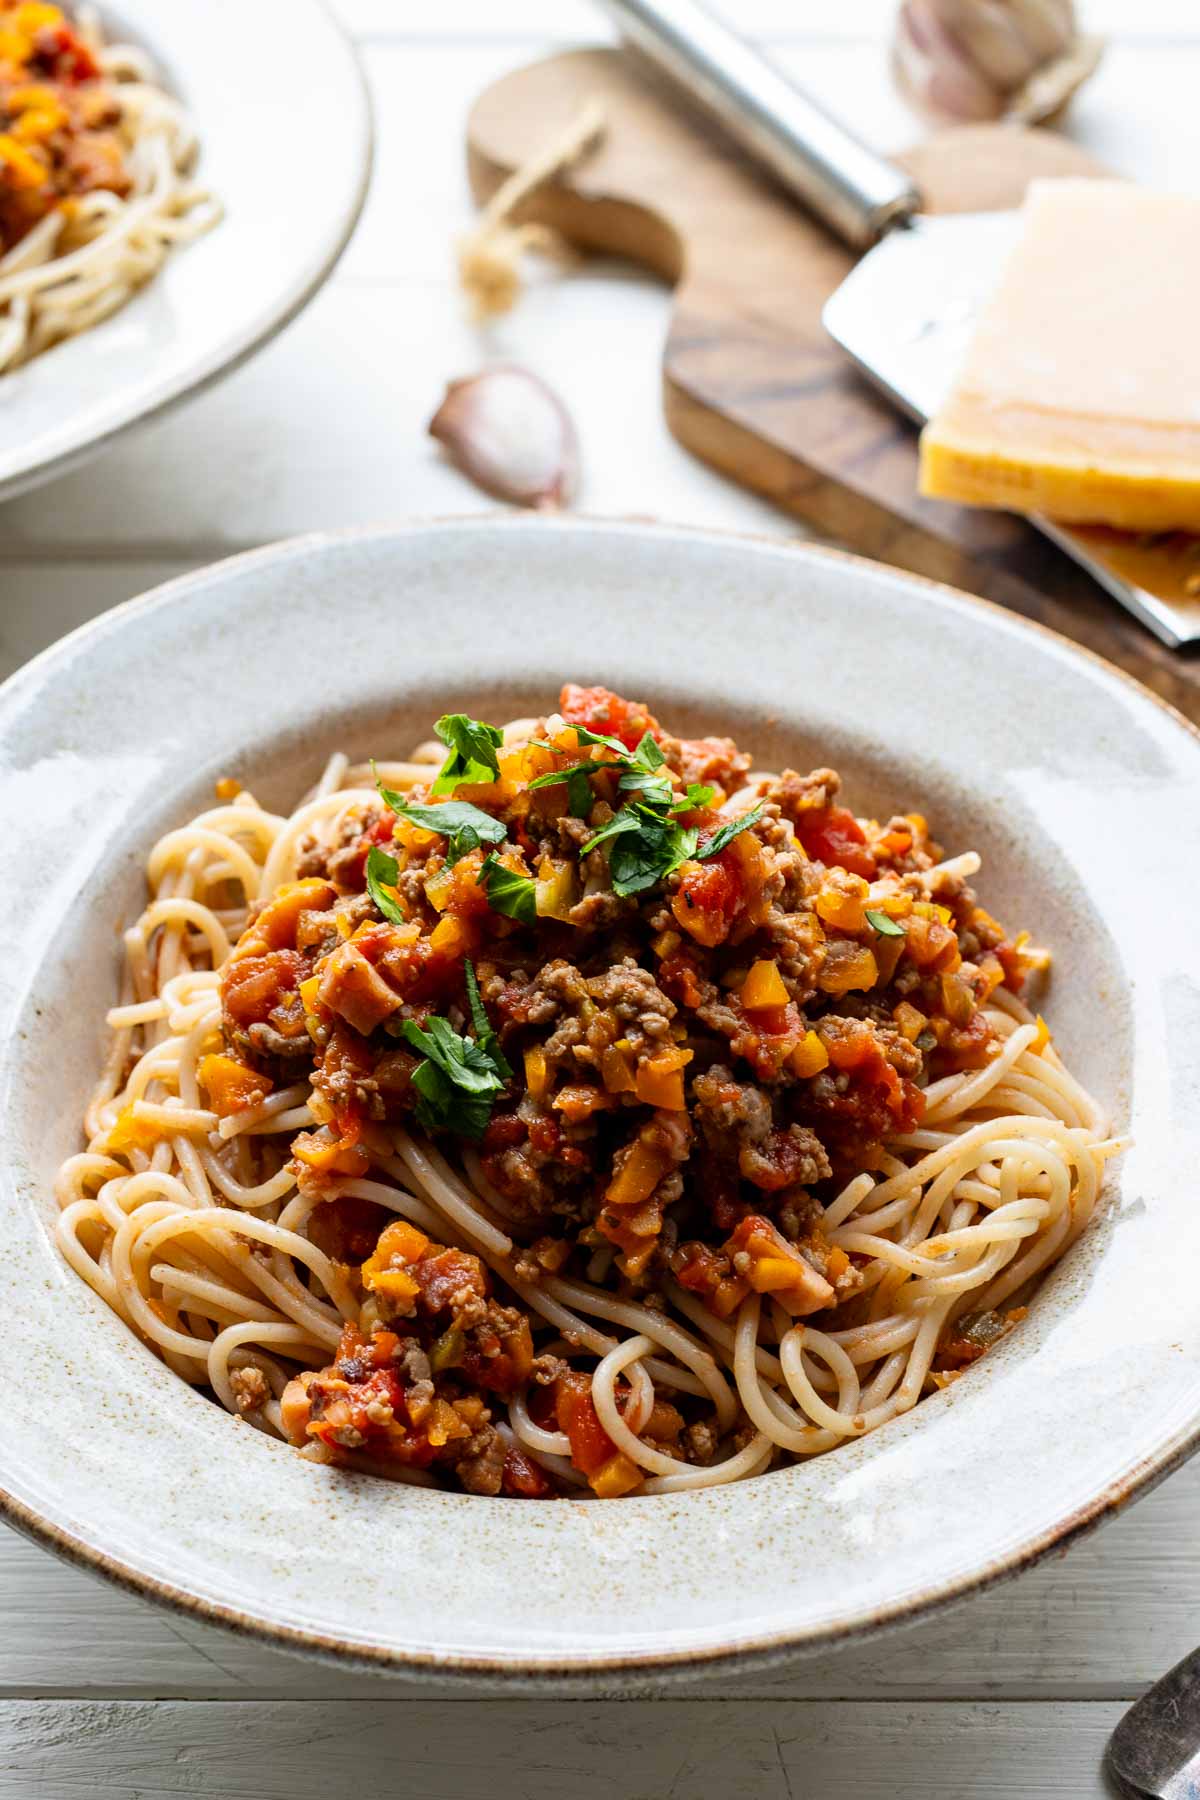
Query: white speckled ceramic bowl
(1080, 790)
(292, 189)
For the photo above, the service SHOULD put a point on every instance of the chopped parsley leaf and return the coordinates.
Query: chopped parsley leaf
(728, 832)
(883, 925)
(509, 893)
(697, 795)
(472, 745)
(383, 872)
(464, 826)
(485, 1037)
(458, 1081)
(647, 845)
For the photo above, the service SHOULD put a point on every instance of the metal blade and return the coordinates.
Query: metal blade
(1155, 1750)
(905, 314)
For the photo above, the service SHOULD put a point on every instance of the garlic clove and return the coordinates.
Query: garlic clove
(1051, 86)
(991, 59)
(511, 435)
(935, 72)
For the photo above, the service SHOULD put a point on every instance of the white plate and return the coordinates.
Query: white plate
(285, 143)
(1079, 788)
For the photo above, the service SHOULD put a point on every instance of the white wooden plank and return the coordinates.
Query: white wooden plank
(1103, 1622)
(657, 1751)
(328, 427)
(43, 603)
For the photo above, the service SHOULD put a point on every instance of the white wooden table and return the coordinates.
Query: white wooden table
(1013, 1694)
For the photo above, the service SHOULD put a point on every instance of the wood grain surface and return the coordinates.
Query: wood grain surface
(751, 381)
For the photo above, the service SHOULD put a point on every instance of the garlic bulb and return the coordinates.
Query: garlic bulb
(511, 435)
(992, 59)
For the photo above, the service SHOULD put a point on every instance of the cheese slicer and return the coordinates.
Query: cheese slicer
(905, 313)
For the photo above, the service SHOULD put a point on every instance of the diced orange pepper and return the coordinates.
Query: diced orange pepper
(578, 1100)
(536, 1071)
(619, 1475)
(22, 168)
(660, 1080)
(909, 1022)
(1043, 1037)
(275, 926)
(308, 994)
(857, 971)
(640, 1172)
(615, 1071)
(330, 1155)
(844, 911)
(131, 1133)
(230, 1085)
(837, 1263)
(444, 1423)
(453, 936)
(809, 1057)
(763, 986)
(399, 1242)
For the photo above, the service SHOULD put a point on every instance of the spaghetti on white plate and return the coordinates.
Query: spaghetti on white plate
(96, 185)
(567, 1110)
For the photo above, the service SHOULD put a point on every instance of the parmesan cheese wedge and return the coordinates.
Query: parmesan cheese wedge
(1080, 394)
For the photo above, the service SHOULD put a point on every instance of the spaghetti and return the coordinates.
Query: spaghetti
(548, 1153)
(95, 176)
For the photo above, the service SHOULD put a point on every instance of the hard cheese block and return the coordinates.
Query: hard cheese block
(1080, 395)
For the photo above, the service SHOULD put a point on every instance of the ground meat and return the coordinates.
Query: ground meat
(268, 1042)
(791, 1158)
(414, 1366)
(599, 911)
(798, 794)
(480, 1468)
(724, 1106)
(250, 1388)
(634, 997)
(557, 985)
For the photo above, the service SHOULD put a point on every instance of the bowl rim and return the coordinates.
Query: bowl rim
(573, 1673)
(173, 391)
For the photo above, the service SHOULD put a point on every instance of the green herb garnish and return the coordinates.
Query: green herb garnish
(485, 1037)
(458, 1081)
(509, 893)
(728, 832)
(472, 745)
(383, 872)
(463, 826)
(883, 925)
(647, 846)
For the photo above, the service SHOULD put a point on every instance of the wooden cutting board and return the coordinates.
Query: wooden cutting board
(751, 383)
